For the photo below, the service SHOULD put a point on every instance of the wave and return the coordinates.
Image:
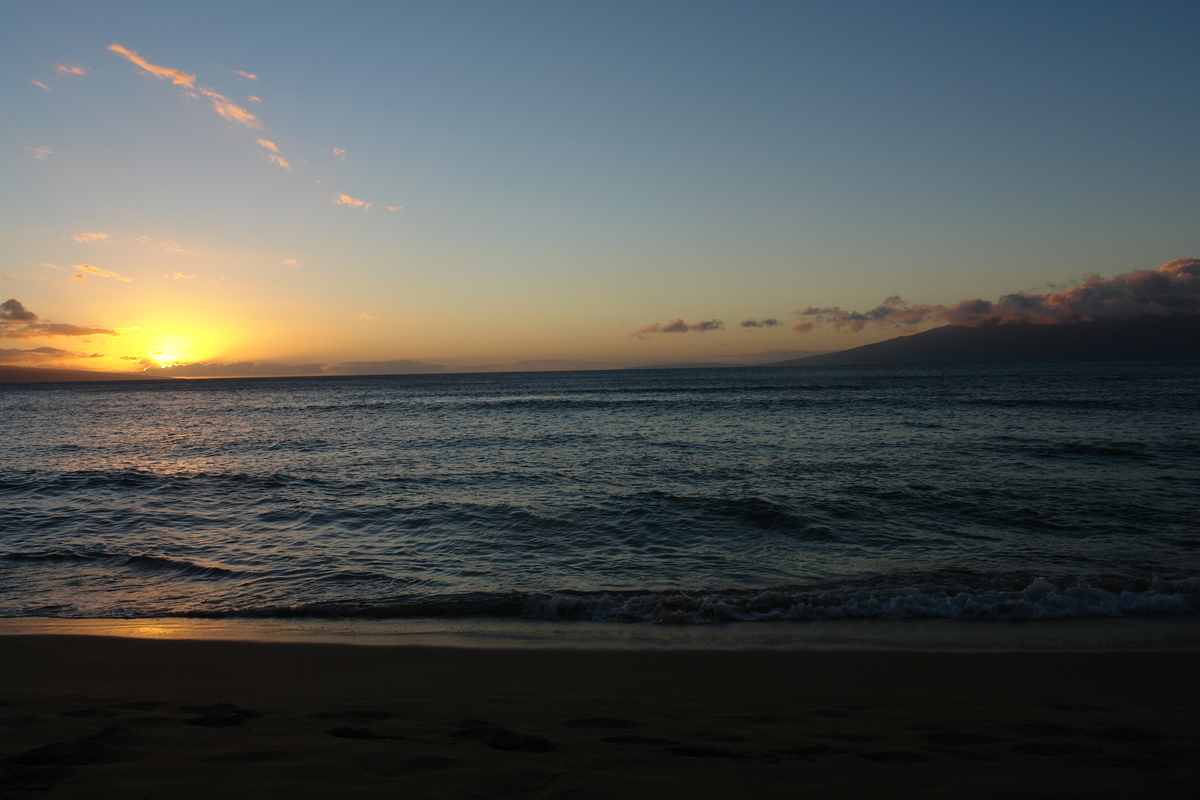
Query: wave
(46, 482)
(1039, 599)
(175, 566)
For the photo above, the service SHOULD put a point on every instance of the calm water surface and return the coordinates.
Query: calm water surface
(674, 496)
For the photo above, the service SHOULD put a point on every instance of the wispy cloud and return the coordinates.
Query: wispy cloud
(166, 244)
(365, 315)
(268, 144)
(6, 278)
(163, 73)
(291, 262)
(18, 322)
(393, 208)
(339, 153)
(39, 83)
(280, 160)
(40, 153)
(1172, 288)
(347, 200)
(253, 99)
(103, 273)
(679, 326)
(765, 323)
(178, 276)
(90, 237)
(230, 110)
(247, 75)
(221, 104)
(72, 69)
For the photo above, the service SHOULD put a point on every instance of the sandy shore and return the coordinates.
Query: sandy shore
(90, 716)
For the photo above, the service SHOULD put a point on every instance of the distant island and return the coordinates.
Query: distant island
(1146, 338)
(47, 375)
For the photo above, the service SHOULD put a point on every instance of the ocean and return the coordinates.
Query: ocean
(679, 497)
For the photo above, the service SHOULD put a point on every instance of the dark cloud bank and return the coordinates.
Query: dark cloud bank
(1173, 288)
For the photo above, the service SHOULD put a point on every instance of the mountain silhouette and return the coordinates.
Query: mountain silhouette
(1146, 338)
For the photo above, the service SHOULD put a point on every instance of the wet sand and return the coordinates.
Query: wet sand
(94, 716)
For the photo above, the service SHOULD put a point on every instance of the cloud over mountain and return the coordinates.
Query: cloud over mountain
(1171, 289)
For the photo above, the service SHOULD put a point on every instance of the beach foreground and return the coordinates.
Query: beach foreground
(91, 716)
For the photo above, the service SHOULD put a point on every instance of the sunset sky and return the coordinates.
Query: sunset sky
(520, 185)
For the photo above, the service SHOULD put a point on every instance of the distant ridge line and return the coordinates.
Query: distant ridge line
(1146, 338)
(10, 374)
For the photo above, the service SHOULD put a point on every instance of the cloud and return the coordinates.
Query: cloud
(163, 73)
(393, 208)
(365, 315)
(178, 276)
(230, 110)
(280, 160)
(766, 323)
(291, 262)
(39, 83)
(73, 69)
(11, 310)
(253, 99)
(40, 153)
(90, 237)
(339, 153)
(247, 75)
(679, 326)
(1172, 288)
(269, 145)
(167, 244)
(6, 278)
(18, 322)
(103, 273)
(347, 200)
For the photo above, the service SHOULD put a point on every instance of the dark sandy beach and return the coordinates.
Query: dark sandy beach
(90, 716)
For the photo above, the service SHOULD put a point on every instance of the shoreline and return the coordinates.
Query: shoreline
(87, 715)
(1159, 633)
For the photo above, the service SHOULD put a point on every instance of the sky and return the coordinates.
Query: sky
(277, 188)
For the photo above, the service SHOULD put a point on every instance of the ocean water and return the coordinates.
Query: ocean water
(673, 496)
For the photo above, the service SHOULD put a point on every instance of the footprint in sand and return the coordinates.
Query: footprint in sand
(360, 714)
(703, 751)
(633, 738)
(500, 738)
(219, 715)
(347, 732)
(139, 705)
(1049, 749)
(895, 757)
(610, 723)
(88, 713)
(1124, 734)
